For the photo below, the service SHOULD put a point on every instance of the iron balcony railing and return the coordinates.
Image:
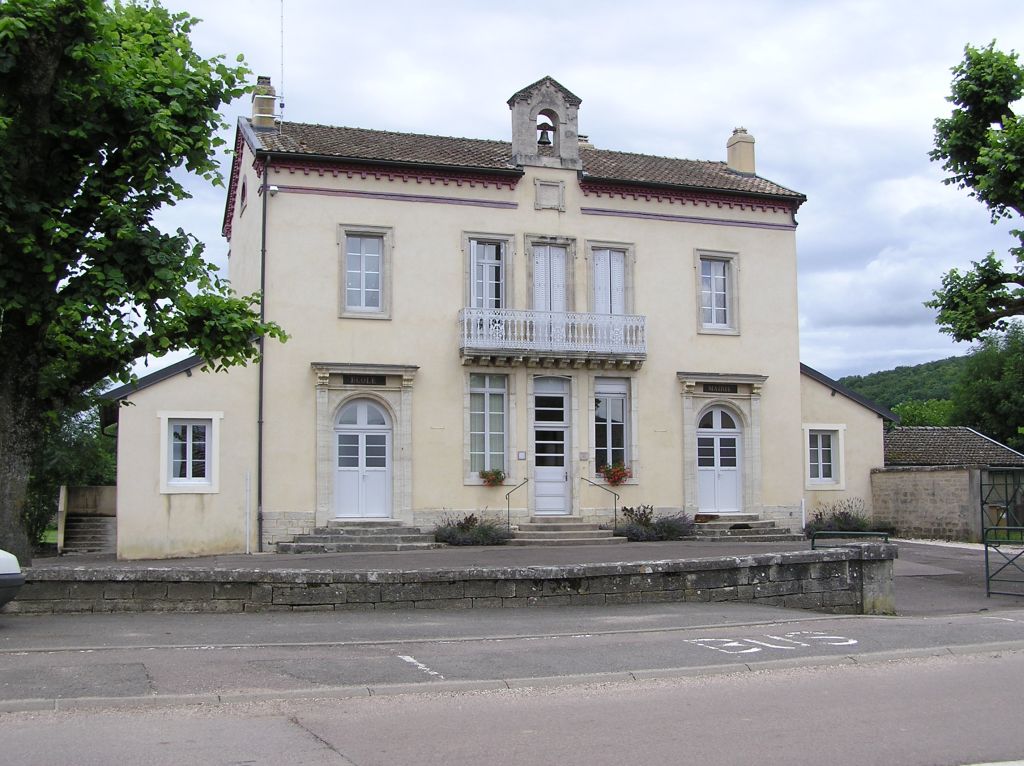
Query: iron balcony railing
(510, 330)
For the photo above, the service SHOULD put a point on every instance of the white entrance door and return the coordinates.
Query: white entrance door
(551, 446)
(549, 291)
(718, 463)
(362, 486)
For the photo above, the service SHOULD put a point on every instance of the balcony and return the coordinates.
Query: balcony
(506, 337)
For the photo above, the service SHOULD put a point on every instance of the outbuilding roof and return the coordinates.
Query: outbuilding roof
(947, 445)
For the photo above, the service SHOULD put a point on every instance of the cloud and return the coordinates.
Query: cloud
(841, 97)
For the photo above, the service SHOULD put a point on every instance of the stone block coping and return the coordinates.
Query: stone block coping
(856, 578)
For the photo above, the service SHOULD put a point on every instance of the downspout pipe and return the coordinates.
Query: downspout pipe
(265, 193)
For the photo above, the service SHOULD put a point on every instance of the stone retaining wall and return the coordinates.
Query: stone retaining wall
(855, 579)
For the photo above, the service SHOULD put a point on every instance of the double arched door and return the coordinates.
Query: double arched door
(362, 485)
(719, 462)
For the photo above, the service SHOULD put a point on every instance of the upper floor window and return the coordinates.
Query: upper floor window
(366, 260)
(717, 293)
(487, 274)
(609, 281)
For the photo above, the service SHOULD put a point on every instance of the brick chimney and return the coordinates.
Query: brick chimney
(264, 103)
(740, 149)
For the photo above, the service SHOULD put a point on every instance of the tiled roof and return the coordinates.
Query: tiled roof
(951, 445)
(360, 144)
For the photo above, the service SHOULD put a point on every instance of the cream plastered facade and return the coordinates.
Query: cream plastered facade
(858, 444)
(405, 360)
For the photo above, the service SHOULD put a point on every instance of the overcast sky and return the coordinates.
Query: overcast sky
(840, 96)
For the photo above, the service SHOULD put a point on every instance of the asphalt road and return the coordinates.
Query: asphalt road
(697, 683)
(926, 712)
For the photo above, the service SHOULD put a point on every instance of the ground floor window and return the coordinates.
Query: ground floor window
(611, 408)
(488, 400)
(824, 444)
(189, 452)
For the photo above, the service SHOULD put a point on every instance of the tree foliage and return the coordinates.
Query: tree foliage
(931, 412)
(73, 452)
(98, 104)
(919, 382)
(981, 146)
(990, 397)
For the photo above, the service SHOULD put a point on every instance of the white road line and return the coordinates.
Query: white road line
(413, 661)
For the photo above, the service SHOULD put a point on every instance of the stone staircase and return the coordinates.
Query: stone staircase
(562, 530)
(357, 535)
(90, 534)
(740, 528)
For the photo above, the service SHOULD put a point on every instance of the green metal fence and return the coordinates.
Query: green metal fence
(1002, 526)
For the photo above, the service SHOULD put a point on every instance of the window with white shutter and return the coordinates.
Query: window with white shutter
(609, 281)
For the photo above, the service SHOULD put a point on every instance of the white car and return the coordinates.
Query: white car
(11, 577)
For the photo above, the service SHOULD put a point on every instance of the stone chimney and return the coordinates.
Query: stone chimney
(741, 151)
(264, 103)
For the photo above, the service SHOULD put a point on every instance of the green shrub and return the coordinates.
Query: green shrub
(641, 525)
(471, 530)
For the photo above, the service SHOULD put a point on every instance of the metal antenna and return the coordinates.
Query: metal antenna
(280, 97)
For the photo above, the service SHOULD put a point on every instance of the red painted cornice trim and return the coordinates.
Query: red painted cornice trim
(394, 173)
(695, 197)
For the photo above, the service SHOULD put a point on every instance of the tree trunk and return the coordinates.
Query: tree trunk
(18, 431)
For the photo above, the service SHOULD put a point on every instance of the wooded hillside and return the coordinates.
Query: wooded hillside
(920, 382)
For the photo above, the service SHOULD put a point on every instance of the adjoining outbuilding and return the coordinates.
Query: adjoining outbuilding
(937, 481)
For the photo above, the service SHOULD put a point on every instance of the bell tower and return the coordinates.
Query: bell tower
(545, 126)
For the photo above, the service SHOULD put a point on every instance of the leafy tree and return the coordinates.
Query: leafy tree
(933, 412)
(990, 397)
(98, 104)
(981, 145)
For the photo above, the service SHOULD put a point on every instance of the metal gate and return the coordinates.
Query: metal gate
(1002, 530)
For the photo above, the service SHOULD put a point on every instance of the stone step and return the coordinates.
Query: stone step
(569, 541)
(557, 526)
(732, 518)
(784, 537)
(368, 532)
(90, 534)
(739, 532)
(710, 525)
(581, 534)
(407, 537)
(354, 547)
(363, 523)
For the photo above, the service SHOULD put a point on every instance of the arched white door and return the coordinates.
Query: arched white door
(362, 485)
(719, 462)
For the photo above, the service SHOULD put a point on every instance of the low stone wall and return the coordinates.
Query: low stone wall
(936, 502)
(855, 579)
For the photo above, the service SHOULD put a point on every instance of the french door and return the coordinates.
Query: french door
(362, 487)
(719, 463)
